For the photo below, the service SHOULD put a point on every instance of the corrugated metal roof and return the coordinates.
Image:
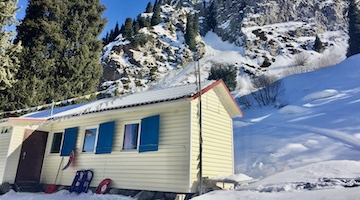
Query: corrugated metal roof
(47, 113)
(131, 100)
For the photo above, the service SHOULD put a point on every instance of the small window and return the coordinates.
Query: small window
(6, 129)
(56, 143)
(131, 133)
(89, 140)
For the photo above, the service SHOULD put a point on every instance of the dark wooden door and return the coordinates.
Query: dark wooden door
(31, 156)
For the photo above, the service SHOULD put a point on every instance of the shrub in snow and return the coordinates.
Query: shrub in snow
(300, 59)
(325, 61)
(295, 70)
(245, 101)
(268, 90)
(302, 64)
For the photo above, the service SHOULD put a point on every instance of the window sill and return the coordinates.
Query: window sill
(87, 152)
(54, 154)
(129, 150)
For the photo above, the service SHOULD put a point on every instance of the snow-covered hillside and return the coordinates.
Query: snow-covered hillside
(261, 44)
(320, 122)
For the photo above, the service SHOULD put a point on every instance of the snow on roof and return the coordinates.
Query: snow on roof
(136, 99)
(47, 113)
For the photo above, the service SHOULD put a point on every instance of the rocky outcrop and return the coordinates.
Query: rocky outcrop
(233, 15)
(164, 50)
(268, 28)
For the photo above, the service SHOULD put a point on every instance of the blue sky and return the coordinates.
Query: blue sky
(116, 11)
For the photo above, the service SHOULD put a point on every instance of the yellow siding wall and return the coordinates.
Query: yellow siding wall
(217, 156)
(164, 170)
(4, 146)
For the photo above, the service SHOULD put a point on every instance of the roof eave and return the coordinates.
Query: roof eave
(26, 120)
(234, 110)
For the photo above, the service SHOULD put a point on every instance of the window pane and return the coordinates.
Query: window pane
(89, 141)
(131, 136)
(6, 129)
(56, 143)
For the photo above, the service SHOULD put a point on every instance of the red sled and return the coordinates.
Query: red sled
(103, 186)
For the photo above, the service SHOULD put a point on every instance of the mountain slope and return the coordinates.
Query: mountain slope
(161, 51)
(320, 122)
(268, 37)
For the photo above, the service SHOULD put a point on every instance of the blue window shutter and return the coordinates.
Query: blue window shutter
(69, 142)
(149, 134)
(105, 138)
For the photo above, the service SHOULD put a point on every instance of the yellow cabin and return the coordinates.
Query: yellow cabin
(143, 141)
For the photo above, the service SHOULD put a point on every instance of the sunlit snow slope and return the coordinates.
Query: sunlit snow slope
(320, 122)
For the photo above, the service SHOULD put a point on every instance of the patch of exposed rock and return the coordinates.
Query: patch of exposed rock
(164, 50)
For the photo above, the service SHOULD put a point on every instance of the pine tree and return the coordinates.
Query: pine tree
(128, 30)
(112, 35)
(136, 27)
(166, 2)
(106, 39)
(79, 67)
(61, 50)
(226, 73)
(149, 8)
(35, 57)
(210, 17)
(156, 18)
(318, 45)
(354, 28)
(196, 22)
(116, 30)
(143, 22)
(9, 62)
(122, 29)
(191, 33)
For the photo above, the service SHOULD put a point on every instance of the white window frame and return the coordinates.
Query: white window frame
(123, 135)
(84, 136)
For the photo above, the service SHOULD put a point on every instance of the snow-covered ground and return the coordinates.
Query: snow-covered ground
(331, 180)
(320, 121)
(308, 149)
(61, 195)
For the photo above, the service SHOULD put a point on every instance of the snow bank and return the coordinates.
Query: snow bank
(322, 180)
(60, 195)
(291, 109)
(320, 95)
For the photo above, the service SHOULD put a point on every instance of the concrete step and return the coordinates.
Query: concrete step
(27, 187)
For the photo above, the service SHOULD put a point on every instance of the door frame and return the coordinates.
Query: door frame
(36, 155)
